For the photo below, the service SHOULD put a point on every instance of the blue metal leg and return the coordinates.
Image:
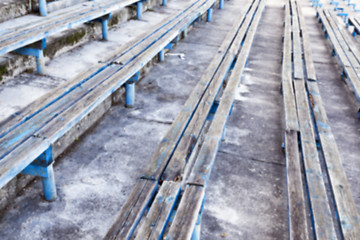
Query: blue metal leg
(130, 90)
(139, 9)
(161, 55)
(49, 184)
(104, 25)
(40, 62)
(130, 94)
(164, 2)
(185, 32)
(42, 7)
(43, 167)
(209, 14)
(221, 4)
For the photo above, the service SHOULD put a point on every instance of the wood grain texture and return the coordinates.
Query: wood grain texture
(166, 149)
(345, 205)
(132, 210)
(291, 119)
(321, 212)
(187, 214)
(158, 216)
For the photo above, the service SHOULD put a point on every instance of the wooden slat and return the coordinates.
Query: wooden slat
(155, 222)
(323, 223)
(187, 213)
(166, 148)
(297, 50)
(309, 64)
(295, 188)
(344, 60)
(345, 205)
(349, 45)
(291, 120)
(298, 228)
(340, 36)
(132, 210)
(205, 160)
(177, 163)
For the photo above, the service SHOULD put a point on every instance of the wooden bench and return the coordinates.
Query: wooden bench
(311, 152)
(353, 21)
(346, 52)
(27, 137)
(168, 200)
(30, 38)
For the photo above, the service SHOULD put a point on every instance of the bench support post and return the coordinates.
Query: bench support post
(43, 167)
(130, 90)
(104, 25)
(42, 7)
(163, 2)
(35, 50)
(209, 14)
(185, 32)
(221, 4)
(161, 55)
(139, 6)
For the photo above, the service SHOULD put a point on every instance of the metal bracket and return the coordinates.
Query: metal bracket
(43, 167)
(35, 50)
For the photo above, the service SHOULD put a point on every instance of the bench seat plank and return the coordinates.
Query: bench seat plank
(155, 221)
(157, 165)
(132, 210)
(298, 228)
(200, 173)
(187, 214)
(177, 163)
(323, 223)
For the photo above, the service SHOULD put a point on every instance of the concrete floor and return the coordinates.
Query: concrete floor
(246, 196)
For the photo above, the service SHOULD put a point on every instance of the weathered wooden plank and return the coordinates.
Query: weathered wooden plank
(187, 214)
(205, 159)
(340, 37)
(345, 205)
(322, 218)
(297, 49)
(340, 53)
(345, 39)
(295, 188)
(176, 166)
(158, 216)
(132, 210)
(309, 64)
(291, 120)
(165, 150)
